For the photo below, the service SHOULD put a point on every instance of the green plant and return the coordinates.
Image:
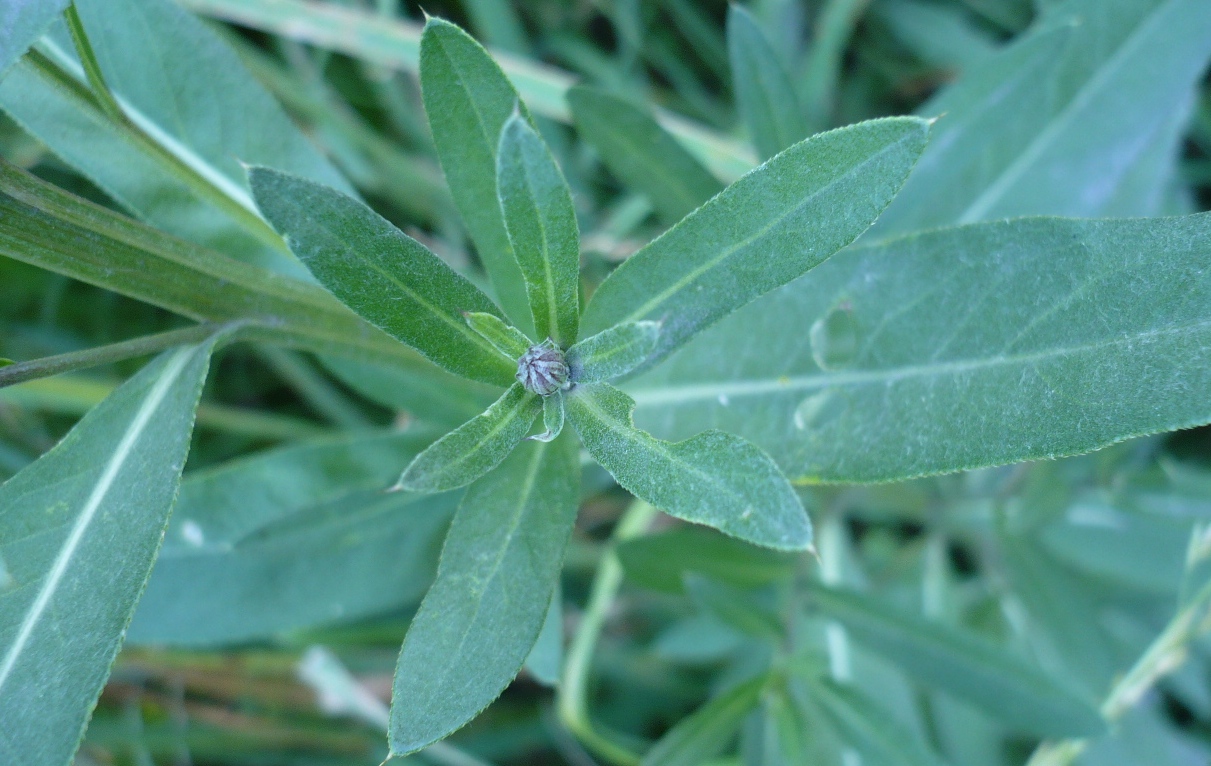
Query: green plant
(843, 327)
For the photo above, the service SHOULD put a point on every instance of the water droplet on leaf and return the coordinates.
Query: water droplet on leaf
(811, 410)
(834, 338)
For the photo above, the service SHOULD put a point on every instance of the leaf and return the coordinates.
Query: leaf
(43, 225)
(753, 614)
(290, 539)
(193, 118)
(541, 222)
(641, 153)
(424, 391)
(79, 531)
(24, 22)
(474, 448)
(707, 731)
(546, 657)
(552, 417)
(612, 353)
(661, 561)
(763, 231)
(1018, 696)
(504, 338)
(468, 101)
(1116, 75)
(969, 347)
(714, 478)
(765, 97)
(483, 614)
(868, 727)
(387, 277)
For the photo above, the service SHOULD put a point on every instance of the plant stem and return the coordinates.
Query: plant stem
(95, 357)
(92, 68)
(573, 692)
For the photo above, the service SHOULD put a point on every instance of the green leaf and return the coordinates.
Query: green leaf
(612, 353)
(1017, 695)
(1116, 76)
(969, 347)
(546, 657)
(504, 338)
(474, 448)
(468, 101)
(552, 417)
(764, 94)
(661, 561)
(708, 730)
(387, 277)
(753, 614)
(641, 153)
(171, 161)
(763, 231)
(424, 391)
(290, 539)
(43, 225)
(541, 222)
(714, 478)
(25, 21)
(872, 730)
(483, 614)
(78, 534)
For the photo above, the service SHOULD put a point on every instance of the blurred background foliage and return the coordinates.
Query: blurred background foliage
(1078, 565)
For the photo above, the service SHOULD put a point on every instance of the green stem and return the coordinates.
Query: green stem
(92, 68)
(95, 357)
(572, 700)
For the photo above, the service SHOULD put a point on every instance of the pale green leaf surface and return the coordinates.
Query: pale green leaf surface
(476, 447)
(484, 612)
(541, 222)
(707, 731)
(641, 153)
(764, 94)
(468, 101)
(21, 23)
(1016, 694)
(714, 478)
(958, 348)
(1096, 141)
(873, 731)
(612, 353)
(661, 561)
(424, 391)
(763, 231)
(79, 530)
(388, 278)
(290, 539)
(197, 114)
(552, 417)
(545, 660)
(505, 338)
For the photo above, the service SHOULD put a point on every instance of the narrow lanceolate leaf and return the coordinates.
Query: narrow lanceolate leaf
(1017, 695)
(293, 538)
(661, 561)
(387, 277)
(959, 348)
(468, 101)
(493, 590)
(541, 222)
(474, 448)
(505, 338)
(172, 162)
(79, 530)
(765, 230)
(24, 22)
(708, 730)
(764, 94)
(1005, 147)
(552, 417)
(612, 353)
(872, 730)
(642, 154)
(714, 478)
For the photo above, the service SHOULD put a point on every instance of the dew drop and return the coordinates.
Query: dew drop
(193, 534)
(834, 338)
(810, 411)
